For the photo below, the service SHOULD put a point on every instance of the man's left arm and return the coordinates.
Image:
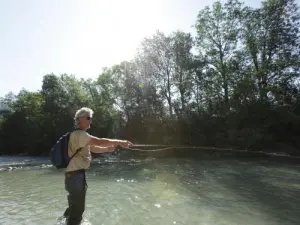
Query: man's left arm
(102, 149)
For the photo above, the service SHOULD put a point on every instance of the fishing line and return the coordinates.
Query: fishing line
(158, 148)
(155, 148)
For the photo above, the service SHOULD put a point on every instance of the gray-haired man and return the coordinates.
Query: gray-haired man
(75, 181)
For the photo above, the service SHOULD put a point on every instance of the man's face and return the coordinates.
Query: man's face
(85, 122)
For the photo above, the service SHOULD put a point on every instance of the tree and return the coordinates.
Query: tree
(272, 43)
(182, 44)
(157, 52)
(218, 30)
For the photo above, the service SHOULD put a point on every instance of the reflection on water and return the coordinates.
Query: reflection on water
(158, 191)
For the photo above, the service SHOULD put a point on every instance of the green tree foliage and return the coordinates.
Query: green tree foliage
(271, 37)
(235, 84)
(218, 31)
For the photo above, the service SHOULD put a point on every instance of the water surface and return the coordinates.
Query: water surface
(211, 191)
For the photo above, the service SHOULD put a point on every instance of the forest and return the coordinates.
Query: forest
(235, 84)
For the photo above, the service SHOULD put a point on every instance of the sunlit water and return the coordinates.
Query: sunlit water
(211, 191)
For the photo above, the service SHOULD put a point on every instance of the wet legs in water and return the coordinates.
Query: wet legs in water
(76, 186)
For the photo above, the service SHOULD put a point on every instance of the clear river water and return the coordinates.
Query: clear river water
(210, 190)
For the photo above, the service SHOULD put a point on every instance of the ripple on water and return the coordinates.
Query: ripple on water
(150, 192)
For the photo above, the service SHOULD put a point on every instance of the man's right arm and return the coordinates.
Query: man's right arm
(95, 141)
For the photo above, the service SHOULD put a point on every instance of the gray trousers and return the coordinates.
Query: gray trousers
(75, 185)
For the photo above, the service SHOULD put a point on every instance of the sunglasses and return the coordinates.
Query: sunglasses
(88, 118)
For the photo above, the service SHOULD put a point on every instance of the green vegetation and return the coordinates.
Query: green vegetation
(233, 85)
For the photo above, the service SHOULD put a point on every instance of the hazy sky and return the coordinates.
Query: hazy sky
(80, 37)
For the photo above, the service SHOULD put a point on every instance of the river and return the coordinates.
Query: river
(154, 191)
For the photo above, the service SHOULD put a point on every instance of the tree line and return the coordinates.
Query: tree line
(234, 84)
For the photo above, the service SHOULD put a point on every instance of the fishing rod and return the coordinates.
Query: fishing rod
(154, 148)
(157, 148)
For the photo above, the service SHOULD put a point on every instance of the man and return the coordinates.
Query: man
(75, 181)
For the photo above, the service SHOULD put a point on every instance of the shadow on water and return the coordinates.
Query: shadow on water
(274, 193)
(267, 185)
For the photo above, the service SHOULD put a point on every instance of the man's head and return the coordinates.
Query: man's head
(83, 118)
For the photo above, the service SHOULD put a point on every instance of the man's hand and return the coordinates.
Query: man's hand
(125, 144)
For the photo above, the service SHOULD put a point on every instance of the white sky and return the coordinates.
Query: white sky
(80, 37)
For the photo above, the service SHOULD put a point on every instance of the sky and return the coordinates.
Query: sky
(80, 37)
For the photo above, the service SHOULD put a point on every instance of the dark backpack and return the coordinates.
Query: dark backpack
(59, 152)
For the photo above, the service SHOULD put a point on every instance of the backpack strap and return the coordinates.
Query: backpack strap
(78, 150)
(75, 153)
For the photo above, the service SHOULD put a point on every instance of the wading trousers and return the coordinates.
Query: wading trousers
(76, 186)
